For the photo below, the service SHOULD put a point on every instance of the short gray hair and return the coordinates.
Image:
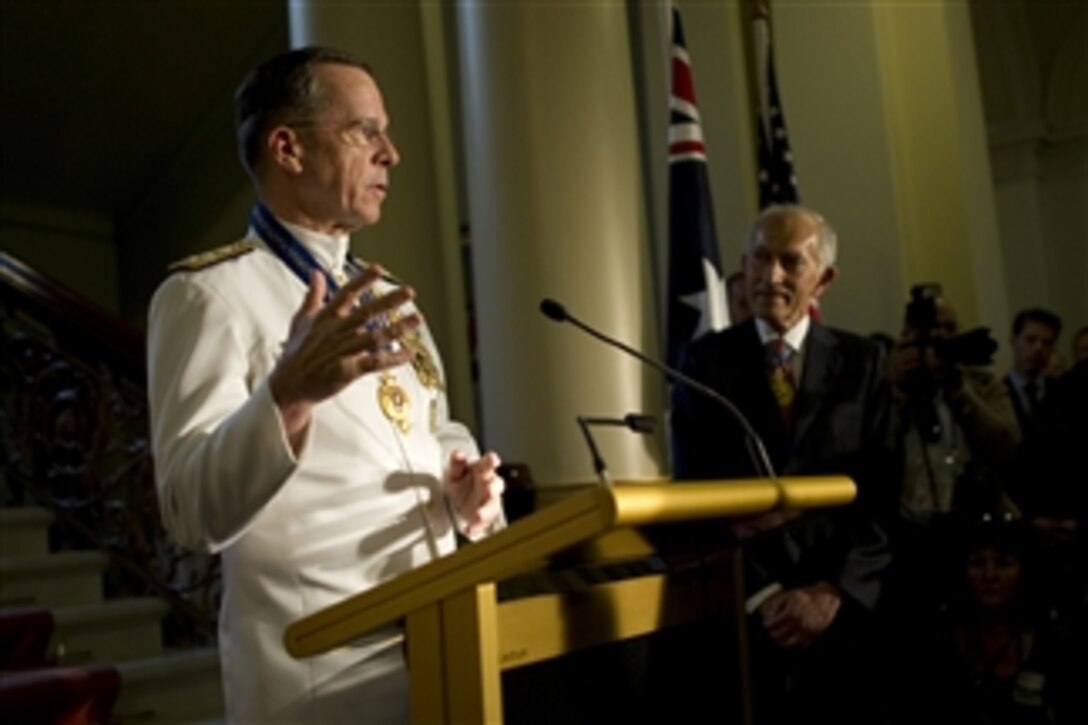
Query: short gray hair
(827, 241)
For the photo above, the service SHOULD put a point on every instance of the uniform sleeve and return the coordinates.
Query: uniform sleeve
(220, 449)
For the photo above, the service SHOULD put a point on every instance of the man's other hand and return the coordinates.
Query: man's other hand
(795, 618)
(475, 491)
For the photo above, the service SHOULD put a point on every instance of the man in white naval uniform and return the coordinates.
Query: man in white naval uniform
(299, 418)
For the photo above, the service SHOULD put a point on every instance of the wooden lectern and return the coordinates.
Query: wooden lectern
(652, 555)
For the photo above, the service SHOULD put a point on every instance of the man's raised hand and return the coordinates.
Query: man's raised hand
(332, 344)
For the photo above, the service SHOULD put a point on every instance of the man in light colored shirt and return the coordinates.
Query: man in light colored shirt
(299, 417)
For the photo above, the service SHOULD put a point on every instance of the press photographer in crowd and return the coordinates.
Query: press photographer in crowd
(959, 431)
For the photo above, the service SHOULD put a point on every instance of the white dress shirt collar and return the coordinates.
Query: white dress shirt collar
(329, 251)
(794, 337)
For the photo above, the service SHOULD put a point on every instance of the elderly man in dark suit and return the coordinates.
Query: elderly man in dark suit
(820, 400)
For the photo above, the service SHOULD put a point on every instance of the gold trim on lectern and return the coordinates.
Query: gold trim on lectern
(529, 543)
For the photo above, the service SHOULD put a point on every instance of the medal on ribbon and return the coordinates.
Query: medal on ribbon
(394, 402)
(423, 362)
(393, 399)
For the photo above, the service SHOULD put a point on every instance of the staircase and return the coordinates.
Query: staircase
(157, 685)
(92, 592)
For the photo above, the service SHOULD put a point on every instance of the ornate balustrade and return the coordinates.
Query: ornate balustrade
(74, 438)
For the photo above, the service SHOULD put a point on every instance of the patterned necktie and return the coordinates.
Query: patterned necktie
(781, 378)
(1031, 393)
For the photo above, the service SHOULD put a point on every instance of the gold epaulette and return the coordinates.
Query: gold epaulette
(203, 260)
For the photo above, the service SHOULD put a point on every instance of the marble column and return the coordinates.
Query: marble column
(557, 210)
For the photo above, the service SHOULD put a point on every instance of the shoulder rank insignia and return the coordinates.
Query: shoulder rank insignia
(203, 260)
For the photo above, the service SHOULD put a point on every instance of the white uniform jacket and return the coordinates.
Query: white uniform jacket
(361, 504)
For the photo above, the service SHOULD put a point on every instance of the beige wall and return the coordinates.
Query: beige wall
(1037, 122)
(557, 210)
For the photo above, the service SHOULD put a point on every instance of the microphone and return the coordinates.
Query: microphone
(762, 462)
(633, 421)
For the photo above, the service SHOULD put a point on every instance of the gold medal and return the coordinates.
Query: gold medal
(423, 362)
(394, 402)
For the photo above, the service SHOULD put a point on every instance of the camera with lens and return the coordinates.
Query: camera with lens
(974, 347)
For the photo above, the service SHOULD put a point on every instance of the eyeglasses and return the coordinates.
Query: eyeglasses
(358, 133)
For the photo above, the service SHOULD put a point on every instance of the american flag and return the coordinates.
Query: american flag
(696, 287)
(777, 180)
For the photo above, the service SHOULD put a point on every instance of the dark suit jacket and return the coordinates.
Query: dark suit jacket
(1022, 417)
(1050, 476)
(844, 425)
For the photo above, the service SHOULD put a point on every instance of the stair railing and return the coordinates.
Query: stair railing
(74, 437)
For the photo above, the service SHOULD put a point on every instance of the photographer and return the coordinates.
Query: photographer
(959, 431)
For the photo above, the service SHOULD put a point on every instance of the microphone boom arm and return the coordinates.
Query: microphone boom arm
(555, 311)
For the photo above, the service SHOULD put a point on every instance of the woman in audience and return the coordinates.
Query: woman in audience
(992, 654)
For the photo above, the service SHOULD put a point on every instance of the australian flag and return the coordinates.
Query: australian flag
(777, 180)
(696, 287)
